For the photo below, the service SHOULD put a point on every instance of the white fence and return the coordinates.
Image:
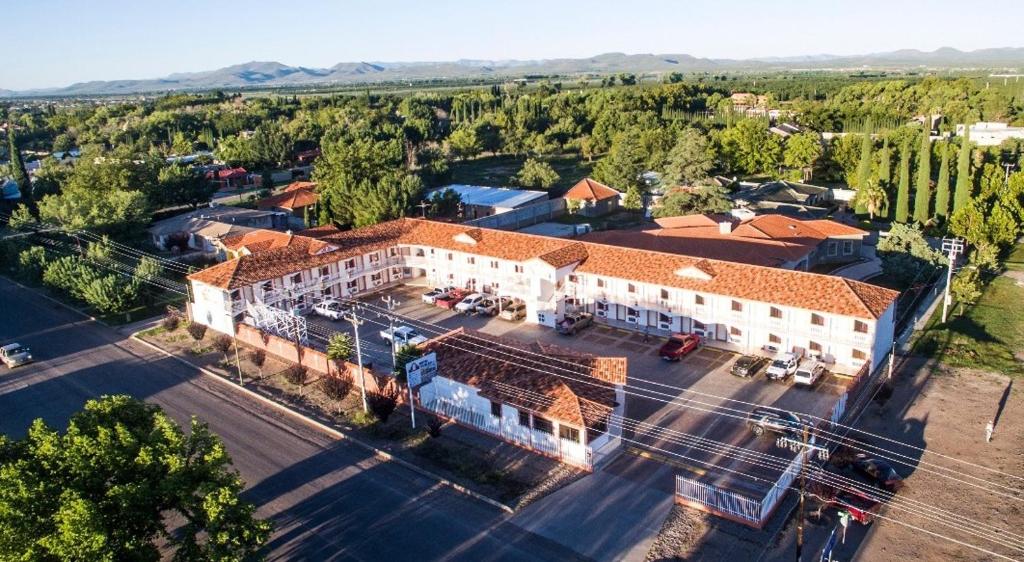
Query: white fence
(747, 510)
(839, 409)
(569, 452)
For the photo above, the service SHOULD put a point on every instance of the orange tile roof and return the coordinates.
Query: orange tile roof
(295, 199)
(577, 397)
(307, 185)
(590, 190)
(779, 286)
(257, 240)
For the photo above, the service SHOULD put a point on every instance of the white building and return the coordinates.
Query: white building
(736, 306)
(987, 133)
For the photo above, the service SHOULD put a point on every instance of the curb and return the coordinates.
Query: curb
(384, 455)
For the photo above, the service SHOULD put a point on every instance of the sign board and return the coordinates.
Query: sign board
(421, 371)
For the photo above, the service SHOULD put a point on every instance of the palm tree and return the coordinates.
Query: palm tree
(339, 348)
(874, 198)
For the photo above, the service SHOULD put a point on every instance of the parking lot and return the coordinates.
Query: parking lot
(706, 401)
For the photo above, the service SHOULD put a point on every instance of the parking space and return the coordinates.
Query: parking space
(708, 402)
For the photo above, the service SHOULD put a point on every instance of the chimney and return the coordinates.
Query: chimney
(724, 227)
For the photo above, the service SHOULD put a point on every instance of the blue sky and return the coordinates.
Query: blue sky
(58, 42)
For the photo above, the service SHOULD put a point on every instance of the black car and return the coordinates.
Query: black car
(748, 366)
(879, 472)
(762, 420)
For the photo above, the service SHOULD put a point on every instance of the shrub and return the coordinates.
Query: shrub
(296, 374)
(434, 426)
(171, 321)
(383, 403)
(197, 330)
(258, 357)
(222, 343)
(335, 388)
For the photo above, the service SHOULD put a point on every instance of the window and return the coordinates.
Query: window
(814, 346)
(859, 354)
(235, 295)
(602, 306)
(847, 247)
(569, 433)
(524, 418)
(375, 277)
(325, 271)
(734, 331)
(352, 286)
(542, 425)
(519, 269)
(631, 288)
(817, 320)
(374, 257)
(450, 256)
(267, 286)
(776, 312)
(420, 253)
(833, 248)
(392, 252)
(494, 264)
(296, 279)
(600, 283)
(328, 291)
(737, 306)
(664, 294)
(861, 327)
(471, 260)
(496, 409)
(772, 338)
(350, 264)
(572, 278)
(632, 313)
(698, 300)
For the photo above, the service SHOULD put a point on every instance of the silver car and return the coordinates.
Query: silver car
(15, 354)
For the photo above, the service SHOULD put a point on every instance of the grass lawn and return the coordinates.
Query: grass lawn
(1015, 261)
(985, 336)
(498, 171)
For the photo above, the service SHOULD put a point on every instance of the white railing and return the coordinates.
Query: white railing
(568, 451)
(839, 409)
(772, 498)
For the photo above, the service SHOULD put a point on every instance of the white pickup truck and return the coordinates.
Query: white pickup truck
(402, 336)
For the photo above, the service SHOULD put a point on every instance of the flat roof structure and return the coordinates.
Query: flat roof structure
(495, 197)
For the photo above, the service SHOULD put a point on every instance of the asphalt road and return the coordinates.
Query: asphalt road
(328, 499)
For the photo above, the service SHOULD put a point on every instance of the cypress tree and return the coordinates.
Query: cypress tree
(903, 193)
(885, 165)
(863, 172)
(923, 191)
(18, 172)
(963, 173)
(942, 187)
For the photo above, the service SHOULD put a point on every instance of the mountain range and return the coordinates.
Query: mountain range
(277, 75)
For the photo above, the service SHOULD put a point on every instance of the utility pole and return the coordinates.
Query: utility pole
(953, 247)
(423, 208)
(391, 304)
(238, 364)
(803, 489)
(356, 321)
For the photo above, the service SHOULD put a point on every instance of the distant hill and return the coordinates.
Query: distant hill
(274, 74)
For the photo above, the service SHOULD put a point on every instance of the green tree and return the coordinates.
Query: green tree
(179, 185)
(802, 151)
(403, 355)
(942, 186)
(750, 147)
(463, 143)
(537, 173)
(964, 179)
(623, 166)
(873, 198)
(392, 197)
(112, 486)
(885, 164)
(691, 159)
(966, 287)
(903, 192)
(863, 173)
(709, 199)
(906, 255)
(339, 349)
(17, 170)
(923, 191)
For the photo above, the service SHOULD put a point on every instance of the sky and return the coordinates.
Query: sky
(61, 42)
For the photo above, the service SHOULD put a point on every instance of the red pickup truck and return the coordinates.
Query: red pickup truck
(453, 298)
(679, 345)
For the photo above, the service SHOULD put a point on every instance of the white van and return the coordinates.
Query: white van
(809, 373)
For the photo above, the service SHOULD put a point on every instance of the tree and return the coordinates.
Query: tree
(258, 357)
(123, 480)
(942, 186)
(964, 180)
(885, 165)
(336, 388)
(463, 143)
(708, 199)
(923, 191)
(966, 287)
(296, 374)
(17, 168)
(903, 192)
(863, 173)
(197, 331)
(445, 203)
(802, 151)
(691, 159)
(391, 198)
(178, 185)
(623, 166)
(537, 173)
(906, 255)
(223, 343)
(405, 354)
(750, 147)
(339, 349)
(383, 402)
(872, 198)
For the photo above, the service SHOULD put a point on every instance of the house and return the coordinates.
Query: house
(784, 197)
(593, 198)
(482, 201)
(987, 133)
(257, 240)
(233, 178)
(736, 306)
(201, 228)
(768, 240)
(573, 418)
(298, 200)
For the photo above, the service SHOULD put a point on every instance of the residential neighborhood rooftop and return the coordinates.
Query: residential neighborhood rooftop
(498, 197)
(590, 190)
(215, 214)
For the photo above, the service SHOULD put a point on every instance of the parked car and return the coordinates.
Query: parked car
(514, 312)
(403, 336)
(14, 355)
(678, 346)
(878, 471)
(451, 299)
(771, 420)
(330, 308)
(490, 306)
(809, 373)
(469, 303)
(748, 366)
(574, 322)
(436, 293)
(782, 366)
